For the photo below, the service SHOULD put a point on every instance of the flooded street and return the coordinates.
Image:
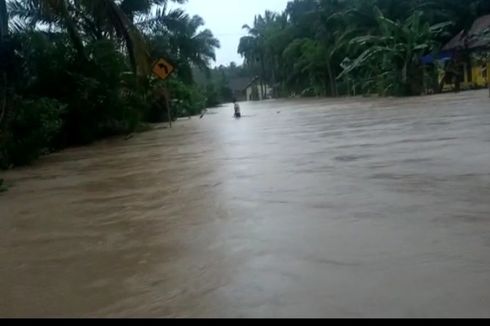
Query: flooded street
(303, 208)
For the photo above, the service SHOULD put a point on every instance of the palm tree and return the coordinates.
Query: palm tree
(50, 12)
(75, 15)
(254, 46)
(178, 37)
(110, 14)
(334, 34)
(133, 8)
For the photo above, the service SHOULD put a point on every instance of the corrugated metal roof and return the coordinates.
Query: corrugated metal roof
(475, 37)
(241, 84)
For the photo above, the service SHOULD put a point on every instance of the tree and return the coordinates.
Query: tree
(256, 47)
(397, 50)
(180, 38)
(309, 44)
(69, 76)
(103, 18)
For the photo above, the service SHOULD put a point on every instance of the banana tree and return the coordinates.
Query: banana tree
(397, 50)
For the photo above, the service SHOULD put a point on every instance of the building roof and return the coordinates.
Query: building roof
(251, 82)
(241, 84)
(473, 39)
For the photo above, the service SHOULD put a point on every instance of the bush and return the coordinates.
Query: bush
(185, 100)
(102, 98)
(79, 101)
(30, 131)
(212, 98)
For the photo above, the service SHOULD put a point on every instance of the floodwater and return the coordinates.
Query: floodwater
(303, 208)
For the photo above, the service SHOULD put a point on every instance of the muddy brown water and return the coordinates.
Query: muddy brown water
(303, 208)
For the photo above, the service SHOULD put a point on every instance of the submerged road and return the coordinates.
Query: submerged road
(303, 208)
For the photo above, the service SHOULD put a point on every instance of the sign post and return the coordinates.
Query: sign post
(163, 69)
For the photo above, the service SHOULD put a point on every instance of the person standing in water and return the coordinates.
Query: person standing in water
(238, 113)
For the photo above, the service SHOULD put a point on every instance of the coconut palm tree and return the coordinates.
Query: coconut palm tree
(254, 46)
(106, 17)
(178, 37)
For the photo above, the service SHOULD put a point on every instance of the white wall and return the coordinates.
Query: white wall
(268, 92)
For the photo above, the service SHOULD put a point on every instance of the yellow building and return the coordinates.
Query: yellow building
(473, 77)
(473, 43)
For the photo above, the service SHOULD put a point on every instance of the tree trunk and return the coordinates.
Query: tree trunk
(273, 78)
(332, 80)
(488, 74)
(262, 63)
(262, 92)
(4, 26)
(3, 98)
(469, 70)
(3, 75)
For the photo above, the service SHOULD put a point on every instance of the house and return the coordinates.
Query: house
(238, 87)
(258, 91)
(469, 64)
(246, 89)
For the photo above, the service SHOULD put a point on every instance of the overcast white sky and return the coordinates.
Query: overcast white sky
(226, 18)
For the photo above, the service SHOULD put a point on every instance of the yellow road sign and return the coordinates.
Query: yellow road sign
(162, 69)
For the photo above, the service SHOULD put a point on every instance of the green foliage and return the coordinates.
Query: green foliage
(104, 101)
(396, 54)
(344, 47)
(32, 128)
(212, 95)
(188, 100)
(72, 72)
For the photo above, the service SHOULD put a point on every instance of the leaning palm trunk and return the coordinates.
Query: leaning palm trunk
(135, 44)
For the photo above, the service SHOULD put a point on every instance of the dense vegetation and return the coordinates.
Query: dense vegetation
(73, 71)
(345, 47)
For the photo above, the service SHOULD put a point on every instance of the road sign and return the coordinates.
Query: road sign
(162, 69)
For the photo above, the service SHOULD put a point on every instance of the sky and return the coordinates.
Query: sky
(225, 19)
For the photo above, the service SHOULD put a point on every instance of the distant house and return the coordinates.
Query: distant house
(246, 89)
(474, 39)
(257, 91)
(238, 87)
(469, 64)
